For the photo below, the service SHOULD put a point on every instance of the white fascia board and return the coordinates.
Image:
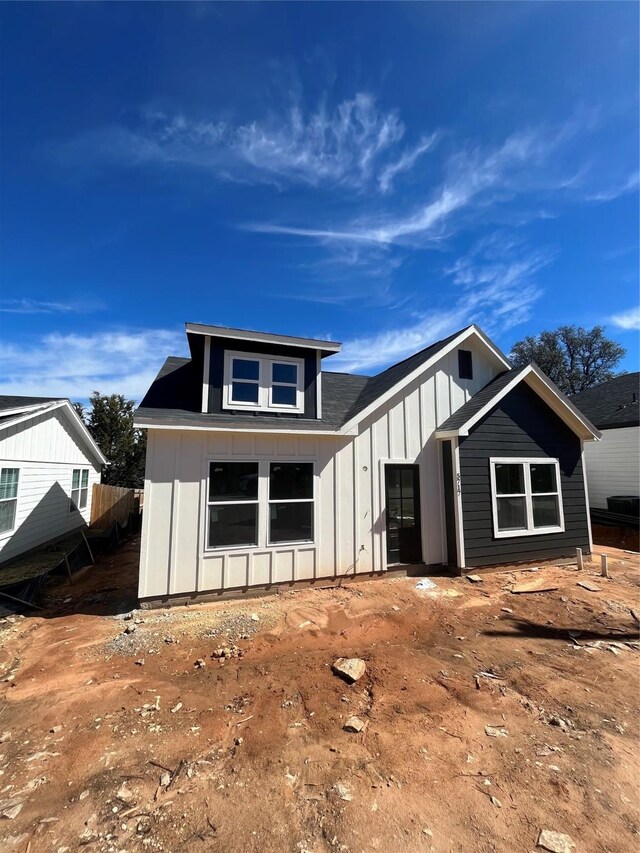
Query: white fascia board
(262, 337)
(73, 416)
(473, 330)
(28, 410)
(548, 392)
(228, 428)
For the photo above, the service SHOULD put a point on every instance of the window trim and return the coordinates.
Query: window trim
(310, 500)
(264, 382)
(526, 462)
(263, 545)
(11, 467)
(209, 503)
(73, 507)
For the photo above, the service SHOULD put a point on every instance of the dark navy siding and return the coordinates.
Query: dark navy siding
(449, 504)
(216, 373)
(521, 425)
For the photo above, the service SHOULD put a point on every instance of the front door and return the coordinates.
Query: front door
(404, 537)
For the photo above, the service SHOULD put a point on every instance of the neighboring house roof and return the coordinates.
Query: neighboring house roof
(612, 404)
(174, 397)
(15, 410)
(462, 421)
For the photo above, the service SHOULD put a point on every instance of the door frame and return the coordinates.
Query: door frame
(383, 506)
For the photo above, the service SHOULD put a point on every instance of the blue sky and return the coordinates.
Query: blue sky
(381, 174)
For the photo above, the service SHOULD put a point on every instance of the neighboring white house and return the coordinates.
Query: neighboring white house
(264, 469)
(613, 464)
(48, 465)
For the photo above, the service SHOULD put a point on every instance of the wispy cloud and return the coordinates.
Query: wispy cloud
(628, 320)
(631, 184)
(122, 362)
(497, 289)
(37, 306)
(470, 172)
(406, 162)
(355, 145)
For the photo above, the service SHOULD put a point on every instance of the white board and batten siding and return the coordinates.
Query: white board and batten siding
(349, 491)
(613, 465)
(46, 450)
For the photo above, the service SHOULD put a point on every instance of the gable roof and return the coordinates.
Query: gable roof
(15, 410)
(612, 404)
(462, 421)
(175, 397)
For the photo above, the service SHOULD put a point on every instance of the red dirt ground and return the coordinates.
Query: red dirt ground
(258, 743)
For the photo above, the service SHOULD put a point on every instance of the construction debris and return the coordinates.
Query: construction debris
(474, 578)
(534, 586)
(496, 731)
(351, 669)
(592, 587)
(555, 842)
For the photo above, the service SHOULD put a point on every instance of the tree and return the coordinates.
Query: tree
(573, 357)
(110, 422)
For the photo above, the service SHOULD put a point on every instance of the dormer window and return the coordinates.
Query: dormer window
(263, 383)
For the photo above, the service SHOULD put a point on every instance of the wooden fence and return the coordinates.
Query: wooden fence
(112, 503)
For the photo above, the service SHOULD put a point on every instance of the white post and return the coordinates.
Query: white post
(579, 557)
(605, 569)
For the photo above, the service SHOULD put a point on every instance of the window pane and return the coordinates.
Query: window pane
(291, 522)
(83, 499)
(233, 524)
(244, 392)
(285, 373)
(407, 482)
(233, 481)
(244, 369)
(284, 395)
(75, 498)
(7, 515)
(290, 480)
(543, 478)
(9, 482)
(545, 511)
(509, 479)
(512, 514)
(75, 479)
(465, 364)
(85, 478)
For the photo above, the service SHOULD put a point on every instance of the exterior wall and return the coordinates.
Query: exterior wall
(46, 451)
(613, 465)
(350, 513)
(521, 425)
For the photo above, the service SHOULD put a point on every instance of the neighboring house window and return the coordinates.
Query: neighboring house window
(290, 502)
(263, 383)
(465, 364)
(8, 498)
(526, 497)
(232, 504)
(79, 488)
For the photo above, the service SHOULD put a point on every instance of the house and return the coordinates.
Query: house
(48, 465)
(263, 468)
(613, 464)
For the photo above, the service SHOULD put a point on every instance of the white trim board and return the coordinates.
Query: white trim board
(472, 331)
(262, 337)
(547, 391)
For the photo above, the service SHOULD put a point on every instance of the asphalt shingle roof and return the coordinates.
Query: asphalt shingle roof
(612, 404)
(479, 400)
(8, 402)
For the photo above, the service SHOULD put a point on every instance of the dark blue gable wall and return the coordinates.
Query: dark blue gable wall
(521, 425)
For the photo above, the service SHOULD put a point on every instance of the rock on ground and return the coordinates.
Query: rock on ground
(351, 669)
(555, 842)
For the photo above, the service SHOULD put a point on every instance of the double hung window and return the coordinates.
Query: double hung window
(290, 502)
(526, 496)
(79, 488)
(263, 383)
(8, 498)
(251, 504)
(232, 504)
